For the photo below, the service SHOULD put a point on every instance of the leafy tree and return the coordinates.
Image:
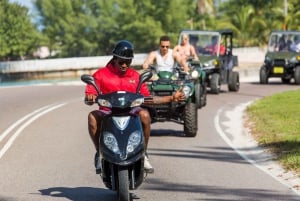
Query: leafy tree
(69, 25)
(256, 19)
(92, 27)
(293, 15)
(18, 36)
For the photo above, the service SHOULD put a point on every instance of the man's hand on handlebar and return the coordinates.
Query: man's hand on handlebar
(179, 96)
(90, 99)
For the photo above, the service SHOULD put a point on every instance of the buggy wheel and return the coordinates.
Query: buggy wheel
(123, 184)
(297, 75)
(215, 83)
(234, 81)
(198, 93)
(190, 120)
(263, 78)
(203, 94)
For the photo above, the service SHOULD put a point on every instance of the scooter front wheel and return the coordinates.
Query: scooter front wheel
(123, 184)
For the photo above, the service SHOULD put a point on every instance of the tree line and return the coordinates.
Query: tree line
(78, 28)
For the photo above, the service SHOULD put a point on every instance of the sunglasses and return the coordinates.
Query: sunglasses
(164, 46)
(124, 61)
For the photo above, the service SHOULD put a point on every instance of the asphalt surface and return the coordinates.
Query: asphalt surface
(46, 154)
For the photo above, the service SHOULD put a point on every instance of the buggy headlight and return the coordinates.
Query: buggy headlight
(111, 142)
(268, 60)
(195, 74)
(215, 62)
(137, 102)
(294, 59)
(104, 103)
(133, 141)
(211, 63)
(186, 90)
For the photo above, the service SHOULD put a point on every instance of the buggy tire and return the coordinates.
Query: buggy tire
(190, 120)
(234, 81)
(263, 77)
(203, 94)
(198, 92)
(297, 75)
(123, 184)
(215, 83)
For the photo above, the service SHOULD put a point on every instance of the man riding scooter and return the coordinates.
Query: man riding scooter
(118, 76)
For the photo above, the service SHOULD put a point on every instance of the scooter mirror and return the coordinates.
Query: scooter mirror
(144, 77)
(88, 79)
(152, 67)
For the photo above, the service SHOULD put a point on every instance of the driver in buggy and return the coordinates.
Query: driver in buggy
(165, 58)
(214, 46)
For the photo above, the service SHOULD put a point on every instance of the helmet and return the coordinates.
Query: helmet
(123, 50)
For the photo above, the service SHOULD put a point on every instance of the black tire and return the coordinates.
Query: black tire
(297, 75)
(203, 94)
(190, 120)
(123, 184)
(263, 77)
(215, 83)
(198, 95)
(234, 81)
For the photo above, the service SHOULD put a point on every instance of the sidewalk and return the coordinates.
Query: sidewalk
(244, 144)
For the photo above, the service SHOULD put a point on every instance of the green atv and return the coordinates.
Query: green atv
(281, 59)
(166, 83)
(219, 62)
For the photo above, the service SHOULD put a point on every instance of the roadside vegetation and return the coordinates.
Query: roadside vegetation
(76, 28)
(276, 125)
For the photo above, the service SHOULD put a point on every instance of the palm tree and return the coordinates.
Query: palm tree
(206, 7)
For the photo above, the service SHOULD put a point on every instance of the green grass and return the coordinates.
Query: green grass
(277, 126)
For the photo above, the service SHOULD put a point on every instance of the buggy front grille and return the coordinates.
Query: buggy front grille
(279, 62)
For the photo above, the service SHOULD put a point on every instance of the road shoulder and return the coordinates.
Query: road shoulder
(240, 139)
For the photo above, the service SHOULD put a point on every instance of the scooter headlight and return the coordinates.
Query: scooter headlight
(133, 141)
(111, 142)
(104, 103)
(137, 102)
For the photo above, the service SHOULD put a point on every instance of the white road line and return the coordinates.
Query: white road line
(14, 125)
(35, 115)
(243, 143)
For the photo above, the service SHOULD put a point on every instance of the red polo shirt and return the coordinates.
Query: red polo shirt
(109, 80)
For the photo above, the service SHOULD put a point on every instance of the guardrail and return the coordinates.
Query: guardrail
(75, 63)
(66, 67)
(57, 68)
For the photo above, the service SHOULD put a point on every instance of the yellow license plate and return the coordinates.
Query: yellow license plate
(278, 70)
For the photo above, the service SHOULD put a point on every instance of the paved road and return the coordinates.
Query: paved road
(45, 152)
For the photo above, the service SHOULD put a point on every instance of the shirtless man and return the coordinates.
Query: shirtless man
(185, 49)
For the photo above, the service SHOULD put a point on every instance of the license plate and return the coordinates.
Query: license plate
(278, 70)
